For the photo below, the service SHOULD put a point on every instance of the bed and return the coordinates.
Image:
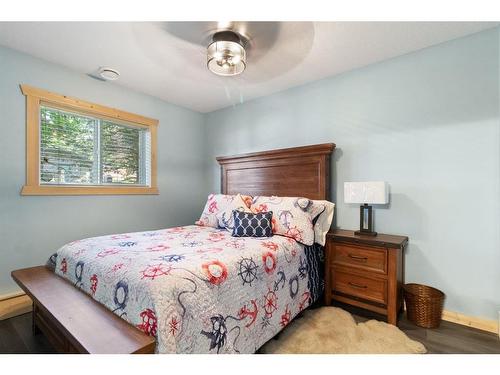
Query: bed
(196, 289)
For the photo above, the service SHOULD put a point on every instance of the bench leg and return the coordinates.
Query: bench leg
(34, 328)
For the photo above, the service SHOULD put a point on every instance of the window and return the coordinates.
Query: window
(75, 147)
(83, 150)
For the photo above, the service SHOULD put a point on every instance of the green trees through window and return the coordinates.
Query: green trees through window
(82, 150)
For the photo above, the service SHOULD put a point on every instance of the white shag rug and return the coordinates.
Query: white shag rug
(333, 330)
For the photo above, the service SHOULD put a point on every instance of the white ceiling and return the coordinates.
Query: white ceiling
(167, 59)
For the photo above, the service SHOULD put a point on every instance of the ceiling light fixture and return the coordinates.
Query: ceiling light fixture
(226, 55)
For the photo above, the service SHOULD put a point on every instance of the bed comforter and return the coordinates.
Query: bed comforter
(196, 289)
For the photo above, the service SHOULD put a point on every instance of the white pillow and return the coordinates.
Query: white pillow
(225, 217)
(219, 207)
(292, 216)
(323, 222)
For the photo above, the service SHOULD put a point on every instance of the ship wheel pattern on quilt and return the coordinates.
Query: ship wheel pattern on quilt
(248, 270)
(172, 258)
(270, 303)
(153, 271)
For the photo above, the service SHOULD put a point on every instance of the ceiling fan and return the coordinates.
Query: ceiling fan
(234, 47)
(226, 55)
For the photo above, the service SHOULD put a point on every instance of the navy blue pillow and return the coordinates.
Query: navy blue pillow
(247, 224)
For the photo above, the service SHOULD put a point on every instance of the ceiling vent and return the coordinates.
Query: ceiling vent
(108, 74)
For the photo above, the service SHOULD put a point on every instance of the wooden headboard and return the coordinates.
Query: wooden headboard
(289, 172)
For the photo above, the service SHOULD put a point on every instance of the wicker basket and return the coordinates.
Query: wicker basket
(424, 305)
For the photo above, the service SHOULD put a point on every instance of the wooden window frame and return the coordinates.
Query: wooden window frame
(35, 98)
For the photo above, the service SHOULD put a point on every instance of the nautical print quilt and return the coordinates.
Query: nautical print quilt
(196, 289)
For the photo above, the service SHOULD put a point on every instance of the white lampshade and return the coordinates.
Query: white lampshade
(371, 192)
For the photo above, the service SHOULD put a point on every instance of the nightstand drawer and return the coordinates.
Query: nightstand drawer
(368, 288)
(369, 259)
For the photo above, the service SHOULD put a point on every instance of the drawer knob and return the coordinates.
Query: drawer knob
(358, 258)
(358, 286)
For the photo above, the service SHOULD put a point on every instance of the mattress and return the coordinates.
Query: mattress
(196, 289)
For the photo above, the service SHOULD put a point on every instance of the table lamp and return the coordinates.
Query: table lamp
(365, 193)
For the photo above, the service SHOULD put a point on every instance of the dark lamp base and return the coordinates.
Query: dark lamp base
(365, 221)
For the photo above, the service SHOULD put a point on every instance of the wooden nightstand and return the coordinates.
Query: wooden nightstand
(366, 272)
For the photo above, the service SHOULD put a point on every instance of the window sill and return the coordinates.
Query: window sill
(88, 190)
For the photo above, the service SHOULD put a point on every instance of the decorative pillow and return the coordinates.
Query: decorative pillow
(292, 216)
(247, 224)
(323, 221)
(218, 209)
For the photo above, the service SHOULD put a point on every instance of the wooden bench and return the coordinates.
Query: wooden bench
(75, 323)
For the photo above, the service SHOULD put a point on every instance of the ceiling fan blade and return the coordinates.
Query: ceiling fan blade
(257, 35)
(273, 48)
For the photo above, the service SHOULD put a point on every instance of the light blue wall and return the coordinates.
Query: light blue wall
(426, 122)
(31, 228)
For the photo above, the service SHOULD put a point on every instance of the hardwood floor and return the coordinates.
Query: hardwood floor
(449, 338)
(16, 336)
